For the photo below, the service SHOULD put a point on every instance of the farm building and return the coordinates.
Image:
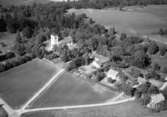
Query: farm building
(99, 60)
(113, 74)
(156, 99)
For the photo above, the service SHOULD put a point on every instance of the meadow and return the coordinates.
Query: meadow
(19, 84)
(132, 20)
(69, 90)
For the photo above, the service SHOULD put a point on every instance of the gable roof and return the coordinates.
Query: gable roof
(112, 73)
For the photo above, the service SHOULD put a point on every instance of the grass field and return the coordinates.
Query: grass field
(20, 83)
(136, 21)
(68, 90)
(129, 109)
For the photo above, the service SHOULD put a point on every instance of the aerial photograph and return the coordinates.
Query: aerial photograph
(83, 58)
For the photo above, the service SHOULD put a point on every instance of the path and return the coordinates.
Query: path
(49, 83)
(116, 98)
(8, 109)
(79, 106)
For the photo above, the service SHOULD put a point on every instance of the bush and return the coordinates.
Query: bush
(153, 75)
(156, 67)
(7, 56)
(153, 48)
(27, 32)
(141, 59)
(164, 70)
(100, 76)
(162, 50)
(2, 25)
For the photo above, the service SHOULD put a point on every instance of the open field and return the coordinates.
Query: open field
(20, 83)
(134, 21)
(69, 90)
(129, 109)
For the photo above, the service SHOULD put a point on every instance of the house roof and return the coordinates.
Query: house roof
(100, 59)
(157, 98)
(112, 73)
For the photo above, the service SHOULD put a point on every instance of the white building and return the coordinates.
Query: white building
(54, 40)
(113, 74)
(155, 100)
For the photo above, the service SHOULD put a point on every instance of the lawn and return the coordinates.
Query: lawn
(20, 83)
(128, 109)
(139, 21)
(69, 90)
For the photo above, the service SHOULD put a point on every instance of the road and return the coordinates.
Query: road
(79, 106)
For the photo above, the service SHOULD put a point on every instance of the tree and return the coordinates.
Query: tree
(3, 25)
(12, 25)
(145, 99)
(143, 88)
(156, 67)
(162, 50)
(164, 69)
(153, 48)
(100, 76)
(153, 75)
(153, 90)
(123, 36)
(141, 59)
(27, 32)
(3, 113)
(2, 67)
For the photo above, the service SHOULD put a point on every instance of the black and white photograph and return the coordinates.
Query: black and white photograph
(83, 58)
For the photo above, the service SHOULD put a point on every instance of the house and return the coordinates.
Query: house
(98, 60)
(87, 69)
(156, 99)
(140, 81)
(113, 74)
(69, 42)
